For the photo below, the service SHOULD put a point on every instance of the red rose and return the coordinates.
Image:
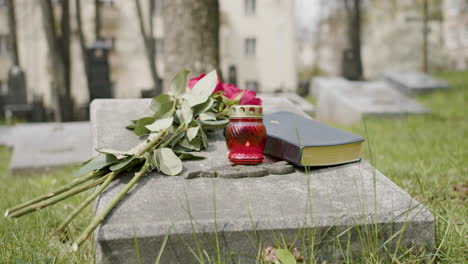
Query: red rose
(231, 91)
(250, 98)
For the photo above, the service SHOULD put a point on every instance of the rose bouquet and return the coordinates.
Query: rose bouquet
(174, 132)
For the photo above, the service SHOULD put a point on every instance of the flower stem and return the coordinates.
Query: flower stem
(55, 192)
(58, 198)
(88, 200)
(98, 219)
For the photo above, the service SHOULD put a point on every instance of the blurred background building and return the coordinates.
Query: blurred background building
(257, 52)
(264, 45)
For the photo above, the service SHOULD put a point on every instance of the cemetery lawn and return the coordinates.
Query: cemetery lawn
(425, 155)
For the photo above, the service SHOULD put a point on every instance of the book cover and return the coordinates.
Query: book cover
(306, 142)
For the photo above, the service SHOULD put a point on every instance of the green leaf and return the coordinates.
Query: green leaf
(285, 256)
(160, 124)
(202, 89)
(122, 163)
(189, 156)
(131, 127)
(140, 146)
(201, 108)
(192, 132)
(207, 116)
(204, 139)
(141, 124)
(169, 163)
(162, 105)
(193, 145)
(117, 153)
(177, 138)
(185, 113)
(214, 124)
(97, 163)
(179, 83)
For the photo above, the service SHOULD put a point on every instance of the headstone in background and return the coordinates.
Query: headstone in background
(349, 66)
(328, 201)
(350, 103)
(413, 83)
(41, 146)
(303, 88)
(99, 85)
(38, 112)
(17, 92)
(319, 83)
(16, 104)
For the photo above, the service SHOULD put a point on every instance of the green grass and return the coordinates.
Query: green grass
(427, 156)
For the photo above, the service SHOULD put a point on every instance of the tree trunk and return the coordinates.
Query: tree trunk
(67, 101)
(82, 40)
(58, 76)
(425, 31)
(191, 35)
(149, 42)
(60, 59)
(353, 12)
(13, 34)
(97, 20)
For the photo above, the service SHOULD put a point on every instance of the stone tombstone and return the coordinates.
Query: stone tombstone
(319, 83)
(100, 85)
(351, 101)
(412, 83)
(241, 214)
(41, 146)
(17, 91)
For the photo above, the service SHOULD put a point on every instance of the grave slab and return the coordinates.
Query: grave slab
(316, 205)
(413, 83)
(352, 101)
(319, 83)
(40, 146)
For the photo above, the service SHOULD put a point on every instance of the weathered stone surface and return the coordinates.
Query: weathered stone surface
(411, 82)
(38, 146)
(350, 103)
(327, 201)
(280, 170)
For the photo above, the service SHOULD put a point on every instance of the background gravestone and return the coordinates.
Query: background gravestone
(44, 145)
(319, 83)
(350, 102)
(414, 82)
(321, 204)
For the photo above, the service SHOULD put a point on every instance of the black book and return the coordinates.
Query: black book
(306, 142)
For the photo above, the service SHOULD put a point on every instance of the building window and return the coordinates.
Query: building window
(252, 85)
(250, 46)
(232, 75)
(4, 44)
(159, 46)
(249, 6)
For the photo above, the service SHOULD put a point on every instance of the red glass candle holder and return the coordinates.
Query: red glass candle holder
(246, 134)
